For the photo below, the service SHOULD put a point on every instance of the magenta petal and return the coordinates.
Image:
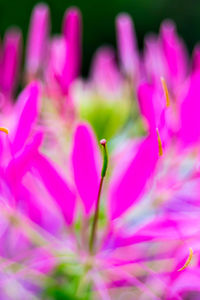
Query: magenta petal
(85, 165)
(145, 98)
(190, 111)
(187, 281)
(20, 164)
(30, 206)
(10, 60)
(196, 58)
(105, 73)
(72, 28)
(153, 59)
(38, 39)
(174, 53)
(72, 35)
(161, 227)
(57, 187)
(27, 115)
(129, 184)
(127, 44)
(152, 106)
(54, 70)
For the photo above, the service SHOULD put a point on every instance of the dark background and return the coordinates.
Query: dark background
(99, 18)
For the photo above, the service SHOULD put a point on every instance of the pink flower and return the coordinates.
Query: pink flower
(129, 224)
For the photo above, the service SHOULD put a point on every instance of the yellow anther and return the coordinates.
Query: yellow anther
(3, 129)
(187, 261)
(160, 148)
(165, 90)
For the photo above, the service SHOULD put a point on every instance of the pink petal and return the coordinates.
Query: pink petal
(159, 228)
(56, 61)
(57, 187)
(127, 45)
(129, 184)
(85, 165)
(72, 34)
(152, 105)
(5, 150)
(11, 60)
(20, 164)
(153, 59)
(145, 98)
(105, 73)
(27, 111)
(30, 205)
(37, 39)
(187, 281)
(190, 111)
(196, 58)
(174, 52)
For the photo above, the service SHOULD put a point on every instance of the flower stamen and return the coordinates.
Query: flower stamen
(160, 148)
(3, 129)
(165, 90)
(187, 261)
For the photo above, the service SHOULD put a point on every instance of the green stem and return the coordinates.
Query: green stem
(105, 159)
(96, 215)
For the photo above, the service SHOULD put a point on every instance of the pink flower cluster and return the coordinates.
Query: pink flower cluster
(121, 226)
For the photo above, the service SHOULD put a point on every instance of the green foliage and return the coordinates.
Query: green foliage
(67, 282)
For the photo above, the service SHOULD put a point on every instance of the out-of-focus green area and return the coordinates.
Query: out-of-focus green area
(99, 18)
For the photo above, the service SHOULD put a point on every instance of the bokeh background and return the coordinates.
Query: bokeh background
(99, 19)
